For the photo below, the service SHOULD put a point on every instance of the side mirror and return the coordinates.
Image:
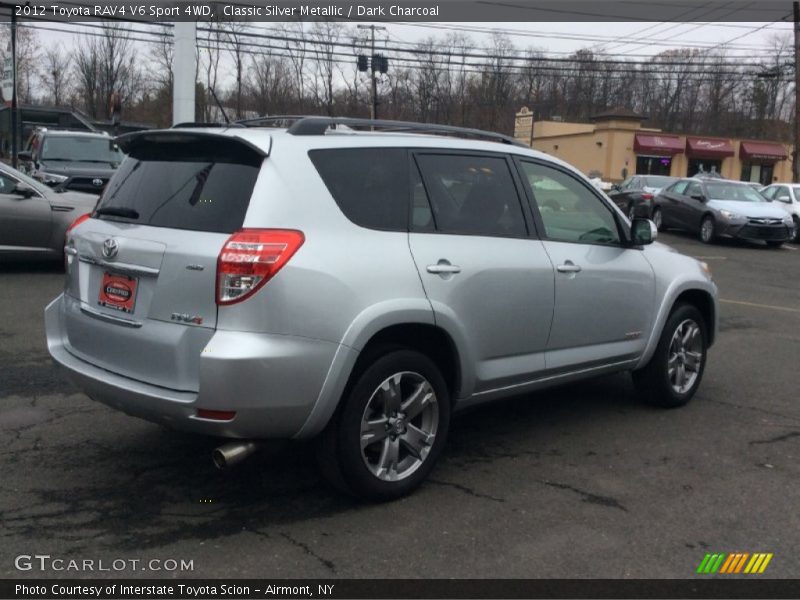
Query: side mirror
(643, 232)
(698, 196)
(24, 190)
(25, 155)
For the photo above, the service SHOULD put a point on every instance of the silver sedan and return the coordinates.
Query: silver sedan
(34, 217)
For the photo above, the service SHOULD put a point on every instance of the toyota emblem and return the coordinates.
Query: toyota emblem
(110, 248)
(97, 182)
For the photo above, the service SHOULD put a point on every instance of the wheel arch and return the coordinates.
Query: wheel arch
(421, 335)
(702, 296)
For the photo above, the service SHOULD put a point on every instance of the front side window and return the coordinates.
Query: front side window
(473, 195)
(680, 187)
(570, 211)
(782, 194)
(693, 189)
(7, 185)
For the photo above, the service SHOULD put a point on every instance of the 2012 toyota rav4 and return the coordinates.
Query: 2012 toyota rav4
(360, 286)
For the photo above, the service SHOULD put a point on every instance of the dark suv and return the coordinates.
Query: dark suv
(74, 160)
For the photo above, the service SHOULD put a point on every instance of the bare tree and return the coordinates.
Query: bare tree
(324, 36)
(28, 46)
(233, 34)
(55, 73)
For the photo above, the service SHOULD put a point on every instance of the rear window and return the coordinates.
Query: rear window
(195, 183)
(370, 185)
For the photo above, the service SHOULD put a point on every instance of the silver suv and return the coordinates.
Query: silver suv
(358, 287)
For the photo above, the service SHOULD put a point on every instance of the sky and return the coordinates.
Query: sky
(633, 40)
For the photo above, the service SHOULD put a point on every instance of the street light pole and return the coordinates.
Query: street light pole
(796, 162)
(14, 89)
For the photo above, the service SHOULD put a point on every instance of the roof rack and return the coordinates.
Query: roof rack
(272, 121)
(192, 124)
(311, 125)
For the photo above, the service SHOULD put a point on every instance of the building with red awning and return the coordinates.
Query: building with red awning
(615, 145)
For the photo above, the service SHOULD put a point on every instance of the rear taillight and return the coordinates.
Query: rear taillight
(78, 221)
(250, 258)
(647, 196)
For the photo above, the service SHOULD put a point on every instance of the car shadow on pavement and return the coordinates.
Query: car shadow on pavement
(136, 485)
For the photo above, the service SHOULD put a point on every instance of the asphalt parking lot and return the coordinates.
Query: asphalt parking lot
(577, 482)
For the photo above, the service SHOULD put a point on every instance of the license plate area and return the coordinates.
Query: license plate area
(118, 292)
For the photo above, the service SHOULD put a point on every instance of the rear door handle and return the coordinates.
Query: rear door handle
(443, 267)
(568, 267)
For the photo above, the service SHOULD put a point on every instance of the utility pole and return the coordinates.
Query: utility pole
(14, 147)
(796, 161)
(184, 65)
(373, 67)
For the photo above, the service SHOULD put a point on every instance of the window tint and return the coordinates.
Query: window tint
(370, 185)
(472, 195)
(570, 211)
(196, 184)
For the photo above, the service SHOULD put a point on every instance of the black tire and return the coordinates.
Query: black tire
(774, 244)
(796, 238)
(708, 230)
(658, 219)
(340, 454)
(653, 383)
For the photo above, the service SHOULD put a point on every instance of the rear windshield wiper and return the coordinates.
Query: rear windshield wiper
(117, 211)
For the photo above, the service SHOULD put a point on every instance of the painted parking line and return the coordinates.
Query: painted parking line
(756, 305)
(790, 247)
(711, 257)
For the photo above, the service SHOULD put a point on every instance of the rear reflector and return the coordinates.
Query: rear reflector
(216, 415)
(250, 258)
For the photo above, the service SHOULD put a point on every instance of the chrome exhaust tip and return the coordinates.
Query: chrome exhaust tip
(232, 453)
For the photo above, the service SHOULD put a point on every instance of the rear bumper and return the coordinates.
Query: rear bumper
(272, 382)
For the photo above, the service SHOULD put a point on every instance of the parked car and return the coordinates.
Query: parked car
(787, 196)
(75, 160)
(357, 287)
(635, 195)
(714, 208)
(755, 185)
(34, 218)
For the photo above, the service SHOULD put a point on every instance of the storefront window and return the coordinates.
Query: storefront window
(653, 165)
(699, 166)
(758, 172)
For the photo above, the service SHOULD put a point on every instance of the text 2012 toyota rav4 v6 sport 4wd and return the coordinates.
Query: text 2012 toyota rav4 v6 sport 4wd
(360, 286)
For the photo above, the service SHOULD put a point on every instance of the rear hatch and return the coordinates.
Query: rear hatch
(141, 275)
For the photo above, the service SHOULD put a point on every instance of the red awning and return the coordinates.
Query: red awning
(762, 151)
(660, 145)
(708, 147)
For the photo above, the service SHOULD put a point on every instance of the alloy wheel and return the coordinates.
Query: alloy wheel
(657, 219)
(685, 356)
(399, 426)
(707, 230)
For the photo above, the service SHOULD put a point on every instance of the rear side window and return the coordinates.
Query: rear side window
(473, 195)
(370, 185)
(193, 183)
